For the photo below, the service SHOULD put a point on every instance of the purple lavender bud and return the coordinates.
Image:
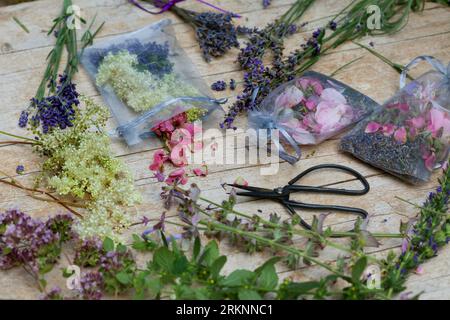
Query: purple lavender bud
(219, 86)
(20, 169)
(232, 84)
(333, 25)
(23, 120)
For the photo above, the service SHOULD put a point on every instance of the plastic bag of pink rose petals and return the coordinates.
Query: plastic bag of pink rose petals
(309, 110)
(409, 136)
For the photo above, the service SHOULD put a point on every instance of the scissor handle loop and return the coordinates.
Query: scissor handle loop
(354, 173)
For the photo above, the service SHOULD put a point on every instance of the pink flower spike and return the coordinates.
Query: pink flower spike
(373, 127)
(158, 160)
(389, 129)
(430, 161)
(241, 181)
(178, 175)
(400, 135)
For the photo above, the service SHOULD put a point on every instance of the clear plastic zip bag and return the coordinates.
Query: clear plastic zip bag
(409, 135)
(146, 78)
(309, 110)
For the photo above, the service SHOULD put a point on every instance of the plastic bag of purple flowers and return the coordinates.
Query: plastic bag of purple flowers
(409, 136)
(146, 78)
(309, 110)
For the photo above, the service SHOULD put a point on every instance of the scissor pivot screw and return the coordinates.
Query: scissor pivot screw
(279, 190)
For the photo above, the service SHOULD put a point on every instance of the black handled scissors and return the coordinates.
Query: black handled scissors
(282, 194)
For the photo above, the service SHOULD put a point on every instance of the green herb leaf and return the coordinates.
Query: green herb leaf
(249, 295)
(164, 258)
(196, 249)
(238, 278)
(359, 268)
(217, 266)
(108, 245)
(210, 254)
(268, 279)
(123, 278)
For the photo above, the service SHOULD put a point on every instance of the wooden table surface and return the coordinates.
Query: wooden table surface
(22, 62)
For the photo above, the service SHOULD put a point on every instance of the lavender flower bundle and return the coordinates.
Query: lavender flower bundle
(146, 79)
(215, 31)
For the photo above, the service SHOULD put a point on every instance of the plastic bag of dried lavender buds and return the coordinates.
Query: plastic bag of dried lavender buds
(309, 110)
(146, 78)
(409, 135)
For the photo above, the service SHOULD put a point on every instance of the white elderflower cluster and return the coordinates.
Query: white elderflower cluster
(139, 89)
(80, 164)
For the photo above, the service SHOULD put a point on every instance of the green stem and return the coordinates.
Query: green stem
(299, 232)
(274, 244)
(17, 137)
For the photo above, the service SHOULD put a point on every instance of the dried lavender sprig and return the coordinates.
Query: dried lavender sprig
(215, 32)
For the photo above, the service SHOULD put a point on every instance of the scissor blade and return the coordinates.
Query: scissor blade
(249, 188)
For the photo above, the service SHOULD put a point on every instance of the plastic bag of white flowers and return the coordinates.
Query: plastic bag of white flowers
(147, 79)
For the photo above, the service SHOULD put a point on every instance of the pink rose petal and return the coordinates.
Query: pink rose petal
(400, 135)
(439, 122)
(289, 98)
(310, 105)
(333, 96)
(417, 122)
(430, 161)
(372, 127)
(389, 129)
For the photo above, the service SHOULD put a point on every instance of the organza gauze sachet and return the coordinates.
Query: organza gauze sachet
(146, 78)
(409, 135)
(309, 110)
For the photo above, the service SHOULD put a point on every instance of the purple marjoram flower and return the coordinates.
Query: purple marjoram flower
(20, 169)
(91, 285)
(219, 86)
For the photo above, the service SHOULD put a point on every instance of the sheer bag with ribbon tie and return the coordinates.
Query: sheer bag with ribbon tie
(146, 78)
(409, 135)
(307, 111)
